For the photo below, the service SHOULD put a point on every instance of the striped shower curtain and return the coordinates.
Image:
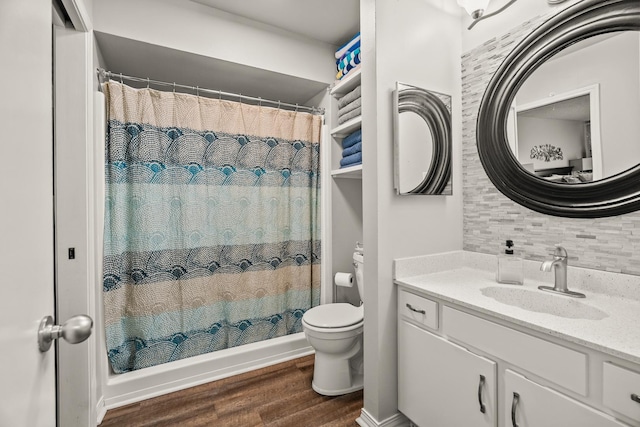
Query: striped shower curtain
(212, 224)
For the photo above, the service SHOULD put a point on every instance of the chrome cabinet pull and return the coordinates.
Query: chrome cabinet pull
(415, 309)
(483, 409)
(635, 398)
(514, 406)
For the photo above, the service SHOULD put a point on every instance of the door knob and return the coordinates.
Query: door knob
(74, 331)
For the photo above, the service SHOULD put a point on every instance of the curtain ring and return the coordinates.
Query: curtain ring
(174, 87)
(198, 91)
(296, 107)
(121, 79)
(219, 95)
(259, 102)
(148, 82)
(278, 104)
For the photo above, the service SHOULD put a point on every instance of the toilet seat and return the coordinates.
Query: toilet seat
(330, 316)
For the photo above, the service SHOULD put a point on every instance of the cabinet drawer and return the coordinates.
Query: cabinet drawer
(618, 385)
(418, 309)
(563, 366)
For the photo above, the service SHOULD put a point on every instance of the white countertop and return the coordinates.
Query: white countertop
(607, 320)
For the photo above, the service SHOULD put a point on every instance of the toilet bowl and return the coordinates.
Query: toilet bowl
(335, 332)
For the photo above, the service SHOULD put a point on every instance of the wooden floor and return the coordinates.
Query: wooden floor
(278, 395)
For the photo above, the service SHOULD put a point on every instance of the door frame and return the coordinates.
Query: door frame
(77, 279)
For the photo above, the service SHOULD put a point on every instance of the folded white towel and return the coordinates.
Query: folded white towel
(349, 97)
(349, 107)
(350, 115)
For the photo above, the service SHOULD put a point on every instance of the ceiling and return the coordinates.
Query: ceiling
(577, 109)
(330, 21)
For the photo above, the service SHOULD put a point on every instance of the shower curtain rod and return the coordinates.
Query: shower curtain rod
(108, 75)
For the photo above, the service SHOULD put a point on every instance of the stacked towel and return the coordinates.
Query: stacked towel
(348, 57)
(349, 106)
(352, 44)
(349, 60)
(352, 150)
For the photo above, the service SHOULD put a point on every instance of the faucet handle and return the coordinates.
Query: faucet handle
(560, 251)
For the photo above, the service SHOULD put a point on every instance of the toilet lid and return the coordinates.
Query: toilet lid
(337, 315)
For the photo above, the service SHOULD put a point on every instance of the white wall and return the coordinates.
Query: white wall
(195, 28)
(566, 134)
(416, 42)
(512, 17)
(324, 100)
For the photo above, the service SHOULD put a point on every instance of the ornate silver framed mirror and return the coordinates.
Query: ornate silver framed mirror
(543, 171)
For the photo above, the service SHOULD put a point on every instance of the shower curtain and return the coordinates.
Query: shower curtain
(212, 226)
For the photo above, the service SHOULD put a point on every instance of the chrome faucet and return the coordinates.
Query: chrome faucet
(559, 263)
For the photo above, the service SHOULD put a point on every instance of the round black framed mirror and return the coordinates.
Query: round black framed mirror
(612, 195)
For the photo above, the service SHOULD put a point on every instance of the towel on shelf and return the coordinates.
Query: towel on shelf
(346, 70)
(342, 73)
(352, 58)
(349, 107)
(352, 139)
(340, 63)
(353, 48)
(352, 160)
(357, 148)
(350, 45)
(349, 97)
(350, 115)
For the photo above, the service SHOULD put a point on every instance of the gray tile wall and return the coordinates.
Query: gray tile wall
(611, 244)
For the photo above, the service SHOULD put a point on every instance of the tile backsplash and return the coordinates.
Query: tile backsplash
(611, 244)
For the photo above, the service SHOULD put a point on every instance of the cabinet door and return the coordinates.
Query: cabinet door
(439, 383)
(528, 404)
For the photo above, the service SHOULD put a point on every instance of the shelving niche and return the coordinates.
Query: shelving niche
(346, 191)
(343, 130)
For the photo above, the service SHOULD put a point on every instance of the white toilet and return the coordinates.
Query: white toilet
(335, 332)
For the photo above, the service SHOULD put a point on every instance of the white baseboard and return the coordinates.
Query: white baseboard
(101, 411)
(397, 420)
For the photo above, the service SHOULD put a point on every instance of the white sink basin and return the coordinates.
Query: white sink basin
(542, 302)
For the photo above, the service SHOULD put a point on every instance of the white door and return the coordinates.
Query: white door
(27, 376)
(442, 384)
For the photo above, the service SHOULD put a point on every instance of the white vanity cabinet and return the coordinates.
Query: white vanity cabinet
(621, 390)
(528, 404)
(527, 381)
(442, 384)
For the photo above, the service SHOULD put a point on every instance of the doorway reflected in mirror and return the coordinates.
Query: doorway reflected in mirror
(585, 103)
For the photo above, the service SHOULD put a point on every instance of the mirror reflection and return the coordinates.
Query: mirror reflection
(577, 117)
(415, 157)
